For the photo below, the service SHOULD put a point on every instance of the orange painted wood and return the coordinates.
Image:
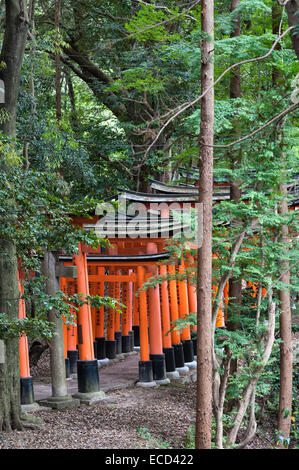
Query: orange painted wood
(64, 327)
(117, 297)
(125, 326)
(93, 291)
(192, 298)
(155, 327)
(130, 302)
(226, 298)
(72, 339)
(63, 287)
(135, 306)
(85, 336)
(111, 314)
(23, 341)
(220, 314)
(183, 303)
(174, 308)
(166, 339)
(111, 278)
(143, 322)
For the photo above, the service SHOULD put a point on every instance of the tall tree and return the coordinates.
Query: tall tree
(57, 62)
(204, 281)
(285, 319)
(13, 47)
(292, 8)
(285, 323)
(235, 283)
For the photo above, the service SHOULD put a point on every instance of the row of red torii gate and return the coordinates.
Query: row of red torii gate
(120, 271)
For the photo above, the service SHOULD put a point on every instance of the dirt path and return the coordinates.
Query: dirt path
(133, 418)
(128, 418)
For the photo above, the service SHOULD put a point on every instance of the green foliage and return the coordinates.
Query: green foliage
(145, 25)
(32, 327)
(138, 62)
(157, 442)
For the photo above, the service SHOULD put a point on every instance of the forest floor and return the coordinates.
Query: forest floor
(129, 418)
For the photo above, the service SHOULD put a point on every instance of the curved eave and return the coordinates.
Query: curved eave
(121, 258)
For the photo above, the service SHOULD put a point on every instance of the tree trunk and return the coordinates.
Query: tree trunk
(57, 359)
(12, 53)
(285, 322)
(285, 319)
(57, 64)
(204, 322)
(292, 8)
(10, 407)
(16, 26)
(235, 284)
(73, 116)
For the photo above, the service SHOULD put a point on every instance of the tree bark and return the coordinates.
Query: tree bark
(235, 284)
(12, 53)
(13, 47)
(57, 64)
(57, 359)
(285, 319)
(285, 322)
(10, 407)
(204, 281)
(292, 7)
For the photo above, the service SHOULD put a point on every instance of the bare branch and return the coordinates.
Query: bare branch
(252, 425)
(183, 107)
(275, 118)
(243, 405)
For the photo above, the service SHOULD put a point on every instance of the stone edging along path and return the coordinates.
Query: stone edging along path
(116, 374)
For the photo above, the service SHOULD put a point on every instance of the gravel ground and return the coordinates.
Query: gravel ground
(133, 418)
(163, 413)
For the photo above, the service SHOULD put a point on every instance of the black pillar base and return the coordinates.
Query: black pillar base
(136, 335)
(179, 355)
(95, 349)
(101, 348)
(188, 350)
(88, 376)
(73, 358)
(145, 371)
(67, 368)
(27, 394)
(131, 335)
(159, 367)
(169, 359)
(110, 346)
(194, 339)
(125, 344)
(117, 336)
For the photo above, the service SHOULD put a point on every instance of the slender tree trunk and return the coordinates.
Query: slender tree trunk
(12, 53)
(292, 8)
(204, 323)
(285, 319)
(235, 284)
(285, 322)
(57, 64)
(57, 360)
(16, 27)
(10, 407)
(74, 116)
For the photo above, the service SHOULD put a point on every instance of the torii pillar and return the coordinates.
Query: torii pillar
(166, 338)
(174, 315)
(183, 313)
(155, 328)
(87, 365)
(145, 364)
(27, 392)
